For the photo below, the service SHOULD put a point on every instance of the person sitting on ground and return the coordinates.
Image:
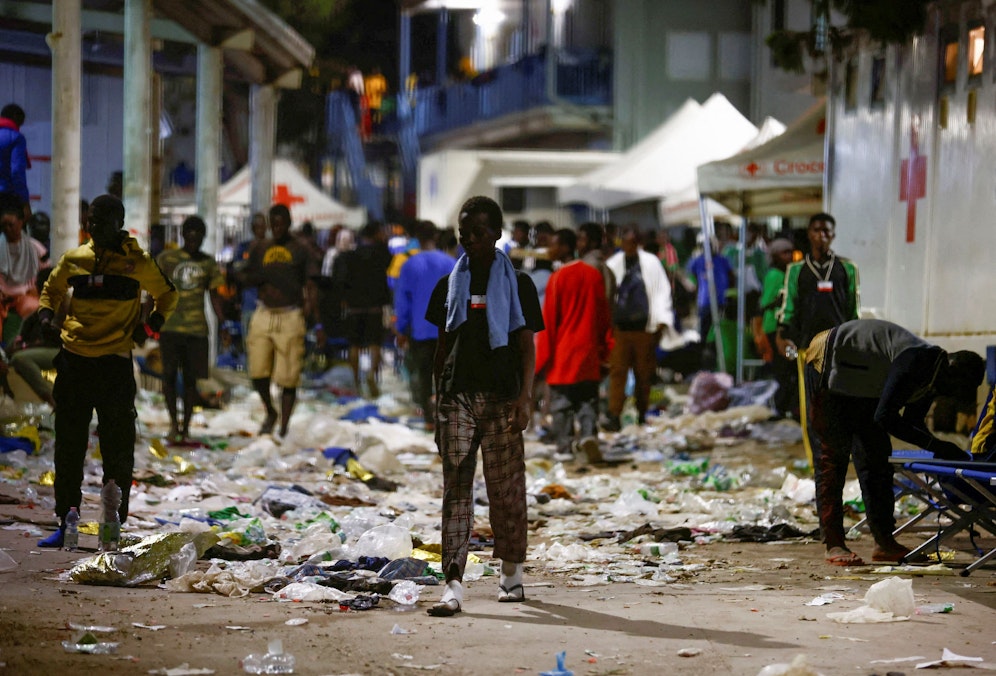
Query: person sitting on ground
(20, 261)
(859, 376)
(34, 350)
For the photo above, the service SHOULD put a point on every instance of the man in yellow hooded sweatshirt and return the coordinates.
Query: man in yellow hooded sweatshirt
(94, 369)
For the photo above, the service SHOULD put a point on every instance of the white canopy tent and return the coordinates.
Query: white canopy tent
(780, 177)
(665, 162)
(292, 188)
(683, 206)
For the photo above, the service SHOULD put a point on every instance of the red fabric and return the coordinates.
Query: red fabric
(578, 334)
(7, 123)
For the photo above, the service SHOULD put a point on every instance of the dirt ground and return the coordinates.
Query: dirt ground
(744, 609)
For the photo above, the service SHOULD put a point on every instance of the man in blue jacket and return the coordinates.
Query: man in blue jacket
(14, 155)
(415, 334)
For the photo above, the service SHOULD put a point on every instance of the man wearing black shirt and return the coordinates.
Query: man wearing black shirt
(487, 314)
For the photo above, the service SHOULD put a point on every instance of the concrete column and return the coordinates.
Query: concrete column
(441, 32)
(137, 129)
(208, 138)
(262, 141)
(64, 41)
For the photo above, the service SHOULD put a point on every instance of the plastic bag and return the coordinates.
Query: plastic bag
(183, 561)
(709, 392)
(389, 541)
(890, 600)
(405, 594)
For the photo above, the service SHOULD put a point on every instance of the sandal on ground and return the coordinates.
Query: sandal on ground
(513, 594)
(444, 608)
(838, 556)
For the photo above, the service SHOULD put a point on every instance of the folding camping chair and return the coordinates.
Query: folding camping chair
(962, 491)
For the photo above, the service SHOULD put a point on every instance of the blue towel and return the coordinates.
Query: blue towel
(504, 312)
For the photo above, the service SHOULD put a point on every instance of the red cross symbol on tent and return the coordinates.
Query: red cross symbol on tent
(912, 182)
(752, 169)
(283, 195)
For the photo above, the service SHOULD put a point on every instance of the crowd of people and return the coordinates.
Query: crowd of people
(550, 330)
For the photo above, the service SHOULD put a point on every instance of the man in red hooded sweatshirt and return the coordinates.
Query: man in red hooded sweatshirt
(14, 155)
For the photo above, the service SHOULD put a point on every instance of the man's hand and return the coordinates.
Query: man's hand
(518, 419)
(401, 340)
(945, 450)
(46, 319)
(148, 329)
(786, 347)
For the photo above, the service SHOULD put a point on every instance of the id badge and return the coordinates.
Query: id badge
(825, 286)
(478, 302)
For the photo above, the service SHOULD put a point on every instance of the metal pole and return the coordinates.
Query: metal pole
(262, 139)
(707, 232)
(64, 41)
(208, 139)
(137, 131)
(741, 300)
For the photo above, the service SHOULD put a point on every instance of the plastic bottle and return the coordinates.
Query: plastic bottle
(661, 549)
(71, 536)
(931, 608)
(275, 661)
(110, 525)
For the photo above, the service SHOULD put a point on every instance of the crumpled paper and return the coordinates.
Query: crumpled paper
(950, 659)
(137, 564)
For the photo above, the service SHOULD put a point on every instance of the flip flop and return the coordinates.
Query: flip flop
(444, 608)
(513, 594)
(845, 559)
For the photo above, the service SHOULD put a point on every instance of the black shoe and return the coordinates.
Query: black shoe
(612, 424)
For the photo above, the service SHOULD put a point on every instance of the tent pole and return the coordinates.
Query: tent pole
(707, 233)
(741, 300)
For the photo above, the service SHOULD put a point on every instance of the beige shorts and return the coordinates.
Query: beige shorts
(276, 345)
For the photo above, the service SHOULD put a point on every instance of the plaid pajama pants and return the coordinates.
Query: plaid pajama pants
(464, 423)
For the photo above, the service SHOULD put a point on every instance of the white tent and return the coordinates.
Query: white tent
(292, 188)
(665, 161)
(783, 177)
(683, 206)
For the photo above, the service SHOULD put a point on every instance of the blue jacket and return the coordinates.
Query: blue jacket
(13, 160)
(418, 278)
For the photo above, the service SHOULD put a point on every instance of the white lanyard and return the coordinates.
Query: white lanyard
(816, 272)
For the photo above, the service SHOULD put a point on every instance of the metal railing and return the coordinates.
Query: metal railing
(582, 79)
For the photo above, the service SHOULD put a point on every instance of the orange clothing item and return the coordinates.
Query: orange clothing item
(578, 335)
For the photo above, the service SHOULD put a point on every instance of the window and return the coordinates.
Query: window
(689, 56)
(976, 50)
(949, 63)
(878, 80)
(851, 85)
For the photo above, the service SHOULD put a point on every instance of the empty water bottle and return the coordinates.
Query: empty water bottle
(275, 661)
(110, 525)
(71, 537)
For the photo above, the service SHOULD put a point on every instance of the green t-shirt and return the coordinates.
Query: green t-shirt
(192, 276)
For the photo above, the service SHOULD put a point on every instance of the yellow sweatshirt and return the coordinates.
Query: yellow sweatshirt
(105, 306)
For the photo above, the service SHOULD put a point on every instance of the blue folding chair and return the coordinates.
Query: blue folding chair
(962, 491)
